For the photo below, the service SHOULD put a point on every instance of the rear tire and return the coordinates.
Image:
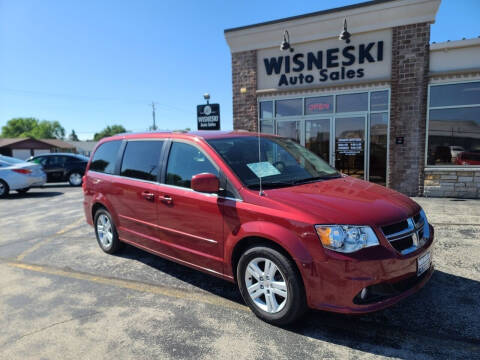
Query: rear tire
(75, 178)
(23, 191)
(271, 285)
(106, 232)
(4, 189)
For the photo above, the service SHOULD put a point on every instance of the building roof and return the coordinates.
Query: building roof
(316, 13)
(9, 141)
(56, 143)
(83, 145)
(362, 18)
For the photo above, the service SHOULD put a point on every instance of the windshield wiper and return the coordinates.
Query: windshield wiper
(316, 178)
(270, 185)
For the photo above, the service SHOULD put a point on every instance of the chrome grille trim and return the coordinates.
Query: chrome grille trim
(412, 230)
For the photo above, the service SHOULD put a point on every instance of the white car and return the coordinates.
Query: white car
(19, 175)
(455, 150)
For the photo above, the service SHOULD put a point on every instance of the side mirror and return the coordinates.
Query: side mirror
(206, 183)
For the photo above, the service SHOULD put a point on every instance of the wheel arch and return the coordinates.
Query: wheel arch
(96, 206)
(251, 241)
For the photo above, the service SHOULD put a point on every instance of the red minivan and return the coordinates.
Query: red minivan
(261, 211)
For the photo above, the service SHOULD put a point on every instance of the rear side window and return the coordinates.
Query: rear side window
(141, 160)
(57, 160)
(184, 162)
(104, 159)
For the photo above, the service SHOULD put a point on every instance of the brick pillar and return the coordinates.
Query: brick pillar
(244, 75)
(410, 66)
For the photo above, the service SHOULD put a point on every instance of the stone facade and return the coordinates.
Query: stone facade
(244, 86)
(450, 182)
(409, 88)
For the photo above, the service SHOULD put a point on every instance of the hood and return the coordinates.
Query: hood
(346, 201)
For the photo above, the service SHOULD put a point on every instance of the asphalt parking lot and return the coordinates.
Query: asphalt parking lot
(61, 297)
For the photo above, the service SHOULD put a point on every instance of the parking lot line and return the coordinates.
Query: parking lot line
(43, 242)
(131, 285)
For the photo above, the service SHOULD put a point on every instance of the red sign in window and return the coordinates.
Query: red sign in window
(318, 107)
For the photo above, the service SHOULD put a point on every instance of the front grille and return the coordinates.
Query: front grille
(417, 218)
(407, 235)
(403, 243)
(395, 228)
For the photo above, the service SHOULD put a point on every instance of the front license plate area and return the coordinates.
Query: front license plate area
(423, 263)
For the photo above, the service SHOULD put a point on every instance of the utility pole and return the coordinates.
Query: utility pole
(154, 127)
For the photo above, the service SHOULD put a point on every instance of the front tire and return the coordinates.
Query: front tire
(4, 189)
(106, 232)
(271, 285)
(75, 178)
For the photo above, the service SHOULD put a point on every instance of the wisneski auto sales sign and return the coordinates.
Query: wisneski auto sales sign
(208, 117)
(332, 61)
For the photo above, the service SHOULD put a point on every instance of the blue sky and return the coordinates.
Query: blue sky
(93, 63)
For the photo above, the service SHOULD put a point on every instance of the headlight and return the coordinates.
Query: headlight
(346, 238)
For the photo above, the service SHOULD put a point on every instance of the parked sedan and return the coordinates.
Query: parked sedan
(19, 175)
(61, 167)
(468, 158)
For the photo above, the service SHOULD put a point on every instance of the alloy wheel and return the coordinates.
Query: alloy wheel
(75, 179)
(266, 285)
(104, 231)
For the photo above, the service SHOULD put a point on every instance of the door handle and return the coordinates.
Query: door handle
(166, 199)
(148, 195)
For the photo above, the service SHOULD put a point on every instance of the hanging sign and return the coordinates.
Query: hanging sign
(208, 117)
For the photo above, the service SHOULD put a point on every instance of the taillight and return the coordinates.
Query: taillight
(22, 171)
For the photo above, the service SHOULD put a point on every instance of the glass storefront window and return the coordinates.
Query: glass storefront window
(266, 126)
(352, 102)
(379, 100)
(289, 129)
(319, 105)
(455, 94)
(317, 137)
(350, 146)
(266, 109)
(289, 107)
(454, 136)
(378, 147)
(340, 128)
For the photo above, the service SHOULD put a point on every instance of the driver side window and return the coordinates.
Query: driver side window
(184, 162)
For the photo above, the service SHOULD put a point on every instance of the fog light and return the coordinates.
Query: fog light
(363, 294)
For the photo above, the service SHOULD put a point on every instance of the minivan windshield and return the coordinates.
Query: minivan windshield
(279, 163)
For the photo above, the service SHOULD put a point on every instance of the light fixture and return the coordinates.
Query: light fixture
(345, 35)
(286, 42)
(206, 96)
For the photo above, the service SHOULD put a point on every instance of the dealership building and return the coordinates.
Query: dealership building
(363, 87)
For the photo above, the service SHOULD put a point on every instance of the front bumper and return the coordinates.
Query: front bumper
(389, 277)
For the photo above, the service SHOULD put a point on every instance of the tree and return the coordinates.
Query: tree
(31, 127)
(73, 136)
(109, 131)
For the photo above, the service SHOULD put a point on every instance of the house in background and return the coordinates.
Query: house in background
(23, 148)
(83, 147)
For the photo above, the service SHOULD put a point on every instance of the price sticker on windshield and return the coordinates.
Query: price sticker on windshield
(263, 169)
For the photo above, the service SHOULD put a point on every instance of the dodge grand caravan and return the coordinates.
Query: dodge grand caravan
(261, 211)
